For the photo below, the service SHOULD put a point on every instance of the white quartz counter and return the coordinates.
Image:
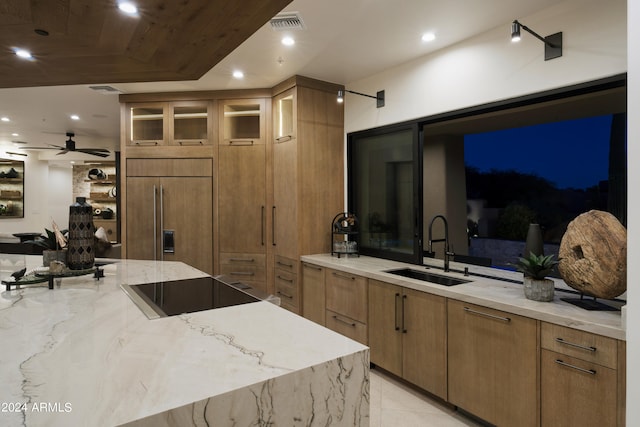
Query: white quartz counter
(497, 294)
(83, 354)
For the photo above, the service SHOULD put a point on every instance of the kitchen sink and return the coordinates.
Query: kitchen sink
(428, 277)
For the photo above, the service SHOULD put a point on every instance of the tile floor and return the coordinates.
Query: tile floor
(394, 404)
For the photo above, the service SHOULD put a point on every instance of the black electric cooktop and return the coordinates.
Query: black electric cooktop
(170, 298)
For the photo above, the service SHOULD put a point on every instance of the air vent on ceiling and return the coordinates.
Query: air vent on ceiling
(287, 21)
(105, 89)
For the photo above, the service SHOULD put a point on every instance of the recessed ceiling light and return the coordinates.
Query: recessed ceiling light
(75, 117)
(23, 53)
(428, 37)
(128, 7)
(15, 134)
(5, 119)
(288, 41)
(238, 74)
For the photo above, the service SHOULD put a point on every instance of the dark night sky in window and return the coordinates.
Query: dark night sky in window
(571, 154)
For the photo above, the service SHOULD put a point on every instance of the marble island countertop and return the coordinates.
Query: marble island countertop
(84, 354)
(492, 293)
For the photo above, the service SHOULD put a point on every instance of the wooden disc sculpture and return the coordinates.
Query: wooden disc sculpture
(593, 255)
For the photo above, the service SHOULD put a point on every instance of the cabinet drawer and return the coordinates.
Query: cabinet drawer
(347, 326)
(286, 285)
(580, 344)
(576, 393)
(286, 264)
(346, 294)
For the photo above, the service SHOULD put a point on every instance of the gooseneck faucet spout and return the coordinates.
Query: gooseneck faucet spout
(431, 241)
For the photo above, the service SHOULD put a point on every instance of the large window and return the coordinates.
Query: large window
(385, 194)
(542, 158)
(547, 174)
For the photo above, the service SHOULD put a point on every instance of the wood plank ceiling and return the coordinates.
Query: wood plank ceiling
(91, 41)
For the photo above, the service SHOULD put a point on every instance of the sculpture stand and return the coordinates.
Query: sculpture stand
(589, 304)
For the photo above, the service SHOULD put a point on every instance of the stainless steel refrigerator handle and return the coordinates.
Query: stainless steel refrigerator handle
(155, 226)
(161, 220)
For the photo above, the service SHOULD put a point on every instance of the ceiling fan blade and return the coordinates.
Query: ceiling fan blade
(62, 152)
(51, 147)
(100, 152)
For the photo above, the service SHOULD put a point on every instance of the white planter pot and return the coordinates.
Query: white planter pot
(538, 290)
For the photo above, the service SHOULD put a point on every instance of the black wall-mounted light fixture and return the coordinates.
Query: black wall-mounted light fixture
(379, 96)
(552, 43)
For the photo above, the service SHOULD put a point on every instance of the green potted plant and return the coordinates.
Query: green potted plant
(536, 268)
(54, 246)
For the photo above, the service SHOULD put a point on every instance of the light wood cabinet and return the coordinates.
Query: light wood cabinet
(180, 123)
(580, 378)
(286, 283)
(307, 167)
(493, 364)
(242, 122)
(407, 335)
(346, 297)
(313, 293)
(170, 205)
(190, 122)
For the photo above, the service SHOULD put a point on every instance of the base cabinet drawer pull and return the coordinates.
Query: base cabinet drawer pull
(577, 368)
(313, 267)
(491, 316)
(241, 260)
(284, 279)
(337, 319)
(344, 276)
(284, 264)
(284, 295)
(241, 273)
(581, 347)
(142, 143)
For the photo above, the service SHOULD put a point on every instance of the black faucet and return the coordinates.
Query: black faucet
(447, 251)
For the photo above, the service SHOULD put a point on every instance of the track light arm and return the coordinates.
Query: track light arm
(379, 96)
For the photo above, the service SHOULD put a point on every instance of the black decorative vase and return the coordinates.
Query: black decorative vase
(534, 243)
(80, 254)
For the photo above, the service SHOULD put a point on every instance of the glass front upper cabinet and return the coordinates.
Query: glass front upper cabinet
(242, 121)
(191, 123)
(11, 188)
(284, 116)
(385, 191)
(146, 125)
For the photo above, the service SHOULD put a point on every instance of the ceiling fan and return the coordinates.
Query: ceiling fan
(70, 145)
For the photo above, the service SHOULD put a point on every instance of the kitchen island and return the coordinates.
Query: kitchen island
(84, 354)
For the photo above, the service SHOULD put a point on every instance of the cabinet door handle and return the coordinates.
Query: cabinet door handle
(491, 316)
(284, 138)
(581, 347)
(404, 299)
(190, 143)
(353, 325)
(311, 266)
(273, 225)
(263, 225)
(239, 142)
(142, 143)
(577, 368)
(343, 276)
(395, 317)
